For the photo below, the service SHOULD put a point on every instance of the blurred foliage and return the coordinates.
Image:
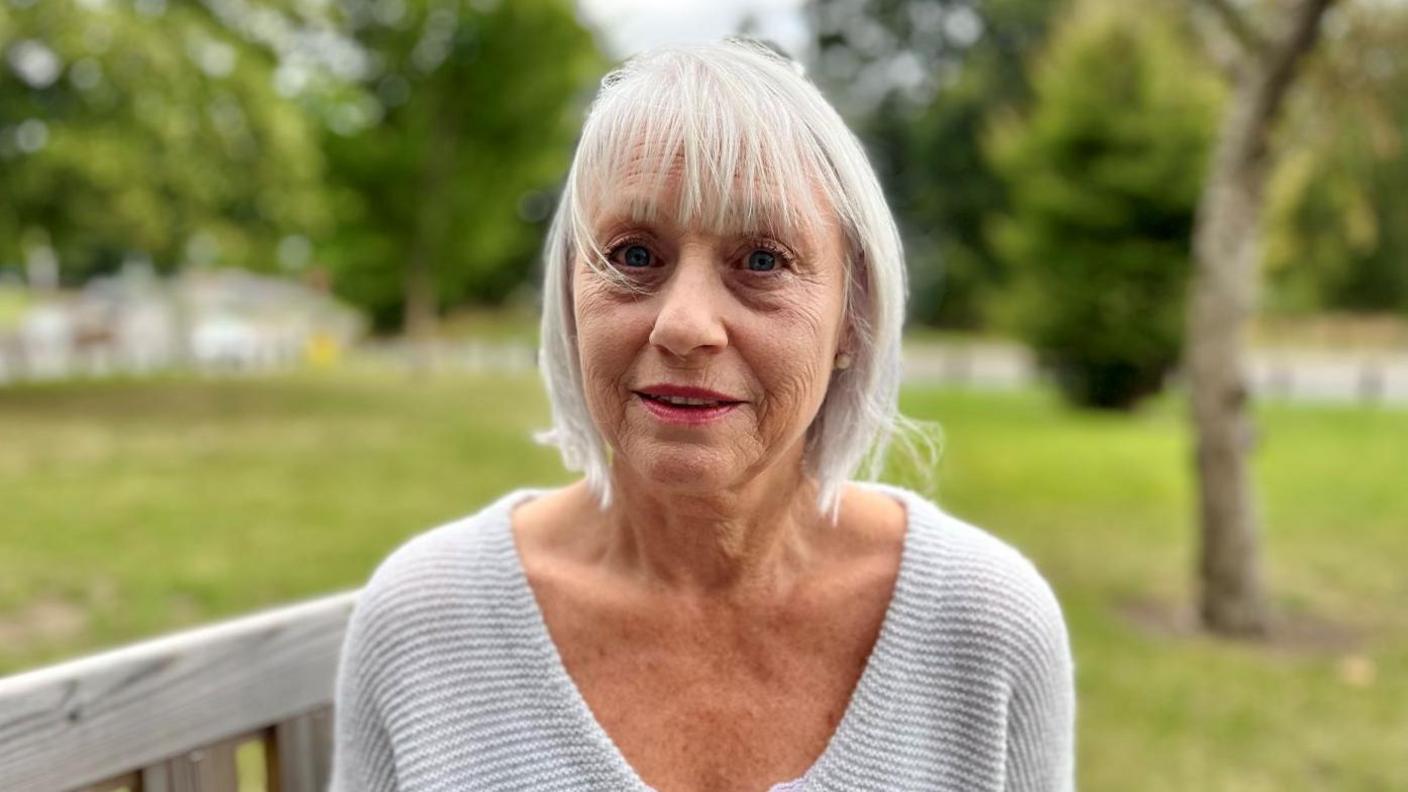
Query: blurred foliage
(1336, 236)
(479, 104)
(921, 82)
(1104, 176)
(414, 147)
(918, 80)
(390, 138)
(147, 129)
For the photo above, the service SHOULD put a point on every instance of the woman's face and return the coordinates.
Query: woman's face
(752, 317)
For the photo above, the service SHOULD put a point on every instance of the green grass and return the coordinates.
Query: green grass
(1104, 506)
(152, 506)
(133, 508)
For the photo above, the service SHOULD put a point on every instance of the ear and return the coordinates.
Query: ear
(846, 340)
(857, 286)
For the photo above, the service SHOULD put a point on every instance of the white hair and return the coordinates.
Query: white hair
(725, 112)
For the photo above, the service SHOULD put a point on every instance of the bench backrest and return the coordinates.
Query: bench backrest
(176, 713)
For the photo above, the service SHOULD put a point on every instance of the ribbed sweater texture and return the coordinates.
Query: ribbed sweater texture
(449, 680)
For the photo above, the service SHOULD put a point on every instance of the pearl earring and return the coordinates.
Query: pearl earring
(843, 361)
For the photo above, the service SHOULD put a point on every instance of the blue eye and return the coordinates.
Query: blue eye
(637, 256)
(762, 261)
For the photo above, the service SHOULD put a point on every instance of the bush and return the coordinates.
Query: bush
(1104, 177)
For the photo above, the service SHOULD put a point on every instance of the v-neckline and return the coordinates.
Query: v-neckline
(860, 707)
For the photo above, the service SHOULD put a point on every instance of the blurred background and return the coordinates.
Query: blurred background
(269, 289)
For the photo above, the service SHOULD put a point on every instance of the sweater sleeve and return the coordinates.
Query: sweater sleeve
(362, 756)
(1042, 707)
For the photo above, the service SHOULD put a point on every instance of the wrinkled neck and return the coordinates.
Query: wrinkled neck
(753, 538)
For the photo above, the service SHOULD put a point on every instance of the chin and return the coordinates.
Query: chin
(684, 469)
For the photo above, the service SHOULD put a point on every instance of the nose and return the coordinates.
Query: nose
(689, 322)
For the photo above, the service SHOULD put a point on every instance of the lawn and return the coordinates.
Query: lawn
(134, 508)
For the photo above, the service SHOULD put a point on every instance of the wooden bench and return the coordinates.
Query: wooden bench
(171, 714)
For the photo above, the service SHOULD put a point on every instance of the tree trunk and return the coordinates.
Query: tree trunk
(1220, 305)
(1223, 295)
(419, 308)
(421, 295)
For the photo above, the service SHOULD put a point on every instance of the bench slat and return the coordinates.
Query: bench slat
(156, 778)
(302, 752)
(209, 769)
(130, 782)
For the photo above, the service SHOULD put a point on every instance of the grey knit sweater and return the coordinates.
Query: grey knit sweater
(449, 680)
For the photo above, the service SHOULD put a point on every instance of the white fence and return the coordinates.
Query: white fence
(1300, 375)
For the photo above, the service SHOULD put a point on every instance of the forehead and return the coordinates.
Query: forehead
(643, 187)
(720, 147)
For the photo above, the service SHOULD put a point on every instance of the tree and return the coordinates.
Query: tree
(451, 150)
(1334, 236)
(1268, 50)
(918, 80)
(1102, 177)
(150, 130)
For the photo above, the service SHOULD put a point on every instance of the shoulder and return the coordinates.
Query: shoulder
(410, 632)
(429, 572)
(981, 590)
(991, 635)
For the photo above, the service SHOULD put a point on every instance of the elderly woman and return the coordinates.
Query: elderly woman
(714, 606)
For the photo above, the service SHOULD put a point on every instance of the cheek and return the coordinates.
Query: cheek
(793, 348)
(609, 334)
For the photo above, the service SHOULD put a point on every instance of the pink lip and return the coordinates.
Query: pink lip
(686, 416)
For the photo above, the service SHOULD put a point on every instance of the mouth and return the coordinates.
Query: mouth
(686, 409)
